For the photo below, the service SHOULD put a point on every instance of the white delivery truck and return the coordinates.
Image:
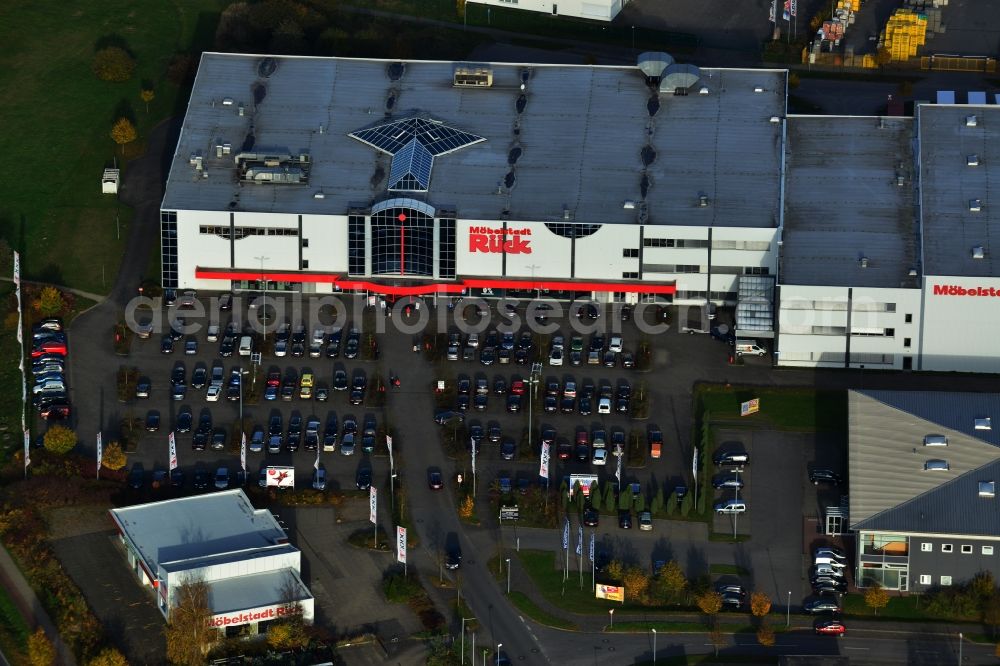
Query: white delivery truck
(745, 346)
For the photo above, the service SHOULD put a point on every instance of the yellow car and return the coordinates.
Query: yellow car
(306, 386)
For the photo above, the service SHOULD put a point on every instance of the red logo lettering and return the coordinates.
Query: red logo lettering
(492, 241)
(958, 290)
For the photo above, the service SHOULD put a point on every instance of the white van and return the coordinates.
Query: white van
(731, 506)
(821, 561)
(749, 347)
(246, 345)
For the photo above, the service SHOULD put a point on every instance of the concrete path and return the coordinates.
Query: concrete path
(30, 607)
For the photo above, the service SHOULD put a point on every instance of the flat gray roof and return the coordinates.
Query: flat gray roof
(196, 527)
(582, 132)
(256, 590)
(843, 202)
(948, 184)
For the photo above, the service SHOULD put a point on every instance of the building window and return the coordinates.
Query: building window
(756, 270)
(168, 249)
(356, 245)
(967, 549)
(630, 275)
(305, 264)
(890, 332)
(908, 319)
(402, 242)
(305, 242)
(987, 550)
(630, 253)
(654, 242)
(946, 548)
(926, 547)
(829, 330)
(925, 579)
(572, 230)
(906, 342)
(890, 307)
(446, 249)
(945, 581)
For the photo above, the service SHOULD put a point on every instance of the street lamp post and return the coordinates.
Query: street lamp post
(463, 640)
(263, 305)
(960, 648)
(788, 610)
(611, 613)
(508, 576)
(654, 647)
(499, 645)
(534, 286)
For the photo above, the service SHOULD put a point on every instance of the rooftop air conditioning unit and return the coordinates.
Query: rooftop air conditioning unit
(473, 77)
(972, 160)
(775, 119)
(935, 440)
(975, 205)
(971, 121)
(984, 423)
(703, 90)
(758, 89)
(863, 262)
(628, 205)
(978, 252)
(227, 101)
(987, 489)
(702, 200)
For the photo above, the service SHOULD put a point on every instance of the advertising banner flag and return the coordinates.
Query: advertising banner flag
(592, 540)
(27, 449)
(372, 505)
(243, 452)
(543, 467)
(401, 544)
(473, 456)
(173, 451)
(388, 444)
(316, 462)
(794, 10)
(566, 535)
(17, 269)
(579, 541)
(100, 455)
(694, 466)
(610, 592)
(786, 13)
(773, 12)
(618, 469)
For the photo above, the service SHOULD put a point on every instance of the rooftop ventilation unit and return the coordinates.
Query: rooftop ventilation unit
(972, 160)
(863, 262)
(937, 465)
(935, 440)
(628, 205)
(987, 489)
(227, 101)
(758, 89)
(679, 77)
(984, 423)
(319, 195)
(971, 121)
(703, 201)
(775, 119)
(653, 63)
(975, 205)
(703, 90)
(912, 272)
(471, 76)
(978, 252)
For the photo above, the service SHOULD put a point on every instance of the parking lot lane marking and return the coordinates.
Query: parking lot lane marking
(846, 647)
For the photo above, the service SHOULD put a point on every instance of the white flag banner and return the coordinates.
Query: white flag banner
(618, 470)
(592, 539)
(173, 450)
(566, 535)
(543, 466)
(27, 449)
(794, 8)
(401, 544)
(694, 466)
(372, 505)
(17, 269)
(473, 456)
(388, 445)
(316, 462)
(100, 454)
(579, 541)
(243, 452)
(772, 15)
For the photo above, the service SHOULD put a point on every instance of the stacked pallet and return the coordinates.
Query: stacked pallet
(904, 34)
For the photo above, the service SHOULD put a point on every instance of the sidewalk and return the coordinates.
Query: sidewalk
(29, 606)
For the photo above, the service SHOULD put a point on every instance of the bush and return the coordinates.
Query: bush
(108, 657)
(760, 604)
(113, 457)
(876, 597)
(40, 649)
(126, 378)
(113, 64)
(59, 439)
(765, 635)
(50, 302)
(710, 602)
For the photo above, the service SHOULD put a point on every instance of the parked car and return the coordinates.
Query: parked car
(222, 478)
(829, 628)
(645, 521)
(363, 479)
(822, 604)
(625, 519)
(435, 479)
(825, 476)
(136, 476)
(152, 420)
(257, 440)
(731, 506)
(319, 479)
(591, 517)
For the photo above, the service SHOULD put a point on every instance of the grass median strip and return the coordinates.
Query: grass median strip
(531, 609)
(795, 409)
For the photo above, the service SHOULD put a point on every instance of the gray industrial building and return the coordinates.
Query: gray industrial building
(924, 467)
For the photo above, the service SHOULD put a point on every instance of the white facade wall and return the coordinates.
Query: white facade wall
(599, 10)
(551, 255)
(599, 256)
(960, 329)
(470, 261)
(820, 326)
(196, 249)
(247, 567)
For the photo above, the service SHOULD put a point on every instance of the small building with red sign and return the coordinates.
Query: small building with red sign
(241, 553)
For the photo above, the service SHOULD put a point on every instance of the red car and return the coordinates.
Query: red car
(517, 387)
(49, 348)
(563, 450)
(829, 627)
(55, 411)
(274, 378)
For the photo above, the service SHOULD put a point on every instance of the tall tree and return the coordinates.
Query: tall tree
(41, 652)
(876, 597)
(147, 95)
(760, 604)
(189, 637)
(670, 582)
(122, 132)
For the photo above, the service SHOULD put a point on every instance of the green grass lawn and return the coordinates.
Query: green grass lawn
(531, 609)
(797, 409)
(907, 608)
(14, 630)
(57, 116)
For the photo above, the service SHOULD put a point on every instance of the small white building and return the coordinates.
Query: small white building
(598, 10)
(242, 553)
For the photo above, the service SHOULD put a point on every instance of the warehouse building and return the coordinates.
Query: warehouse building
(241, 553)
(597, 10)
(838, 241)
(924, 468)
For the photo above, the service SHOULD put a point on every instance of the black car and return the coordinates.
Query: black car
(507, 449)
(500, 386)
(363, 480)
(219, 439)
(226, 347)
(434, 479)
(184, 420)
(200, 440)
(452, 552)
(550, 404)
(199, 376)
(480, 401)
(621, 405)
(823, 604)
(487, 356)
(625, 519)
(828, 583)
(493, 433)
(731, 601)
(584, 406)
(441, 418)
(339, 380)
(152, 420)
(582, 452)
(827, 476)
(513, 403)
(274, 426)
(178, 374)
(462, 403)
(357, 396)
(177, 477)
(727, 481)
(591, 516)
(567, 405)
(136, 476)
(201, 478)
(476, 433)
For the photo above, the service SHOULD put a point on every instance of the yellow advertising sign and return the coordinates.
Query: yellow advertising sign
(610, 592)
(750, 407)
